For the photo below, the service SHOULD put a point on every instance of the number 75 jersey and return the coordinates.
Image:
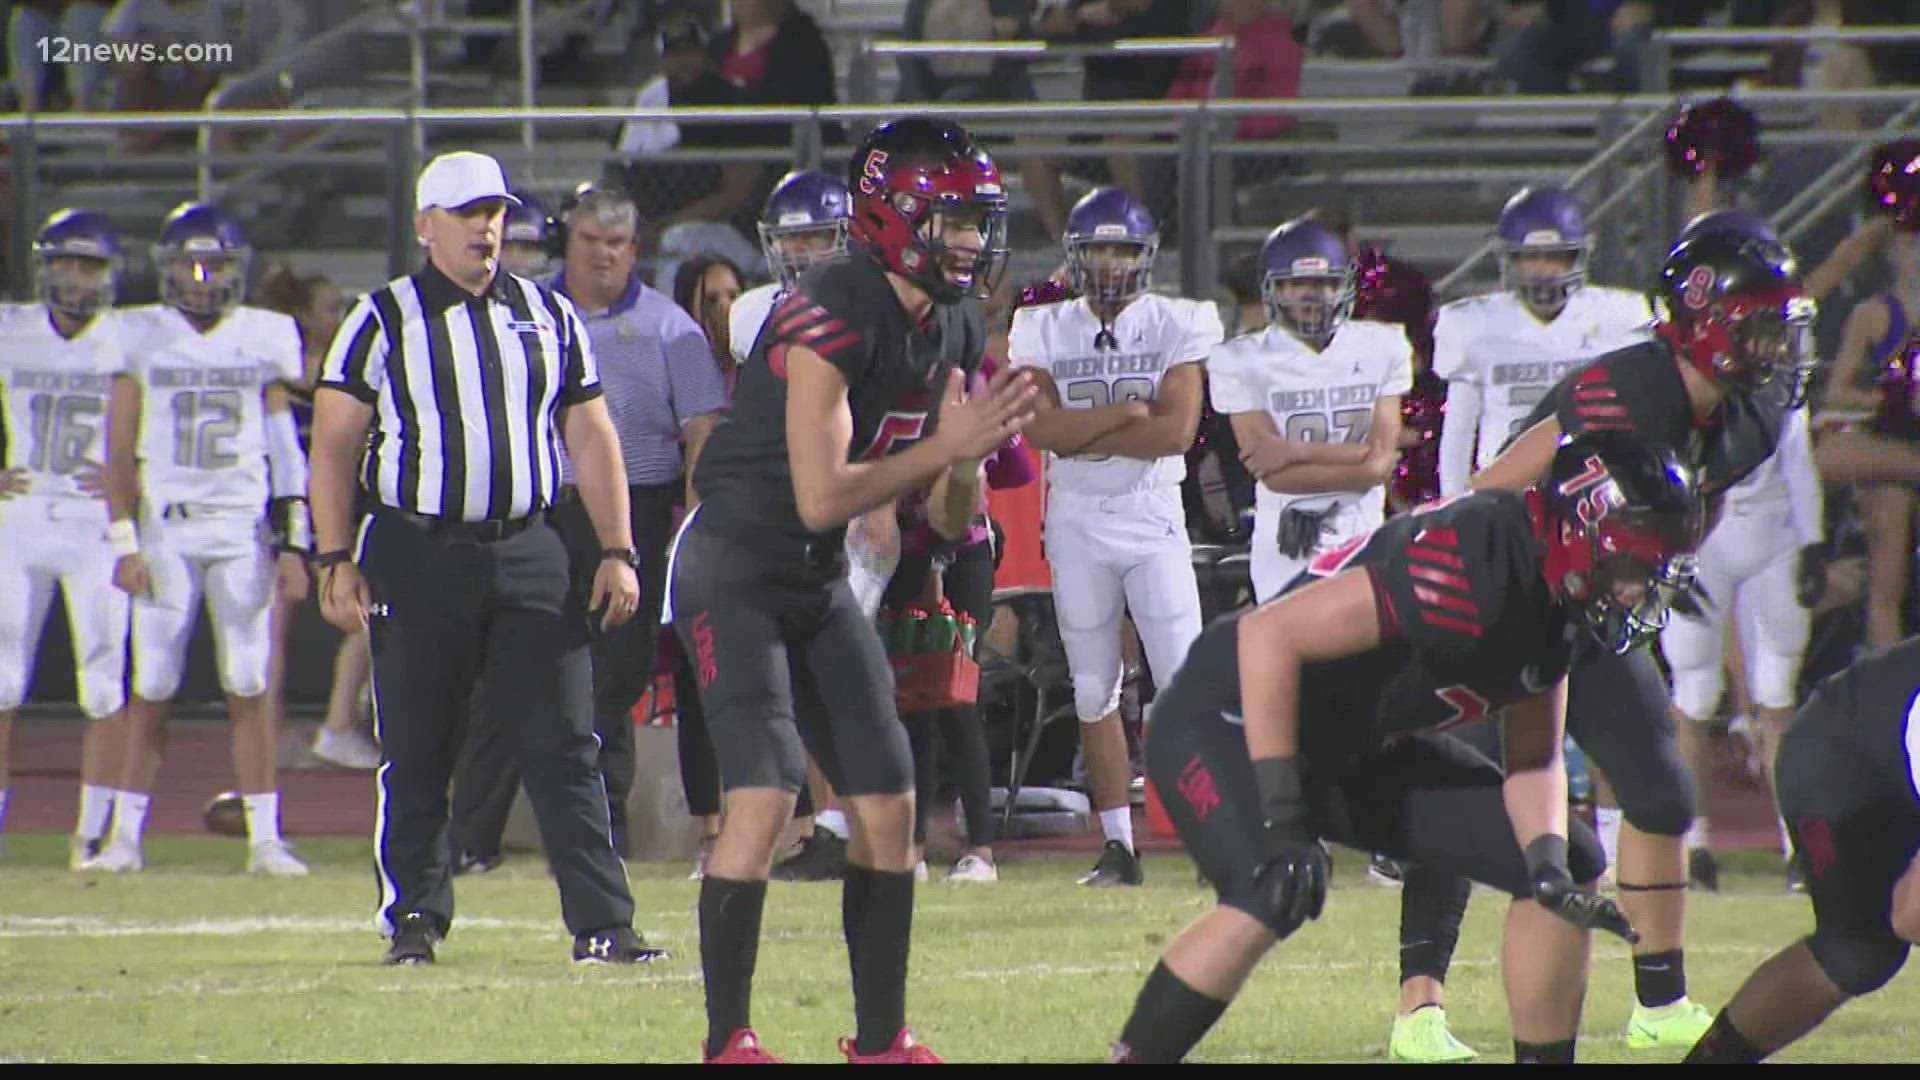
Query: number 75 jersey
(54, 390)
(202, 418)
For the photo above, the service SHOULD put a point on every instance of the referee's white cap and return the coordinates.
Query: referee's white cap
(455, 179)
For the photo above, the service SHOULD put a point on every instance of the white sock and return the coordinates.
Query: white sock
(1699, 834)
(130, 816)
(834, 821)
(1118, 825)
(263, 817)
(1606, 820)
(96, 805)
(1786, 841)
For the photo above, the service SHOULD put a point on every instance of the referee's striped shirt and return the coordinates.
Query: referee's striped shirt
(467, 392)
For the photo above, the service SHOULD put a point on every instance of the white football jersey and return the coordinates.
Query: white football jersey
(1325, 396)
(55, 395)
(1155, 334)
(746, 317)
(202, 421)
(1494, 341)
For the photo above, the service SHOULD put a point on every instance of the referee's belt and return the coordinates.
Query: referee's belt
(489, 531)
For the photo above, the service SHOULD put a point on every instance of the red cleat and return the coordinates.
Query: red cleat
(904, 1051)
(743, 1048)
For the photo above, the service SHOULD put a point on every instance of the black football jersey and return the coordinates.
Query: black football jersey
(1638, 390)
(1874, 707)
(1467, 627)
(847, 313)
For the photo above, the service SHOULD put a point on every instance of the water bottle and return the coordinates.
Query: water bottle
(969, 633)
(883, 622)
(909, 632)
(943, 628)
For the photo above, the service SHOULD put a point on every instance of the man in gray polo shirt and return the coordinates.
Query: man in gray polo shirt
(665, 393)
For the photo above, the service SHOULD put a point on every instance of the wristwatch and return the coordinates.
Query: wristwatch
(626, 555)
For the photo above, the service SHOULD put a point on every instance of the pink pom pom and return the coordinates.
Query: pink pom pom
(1893, 181)
(1721, 131)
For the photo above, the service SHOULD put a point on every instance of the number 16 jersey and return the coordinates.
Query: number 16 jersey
(202, 418)
(55, 394)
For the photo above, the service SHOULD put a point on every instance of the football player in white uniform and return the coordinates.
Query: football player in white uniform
(1502, 351)
(1121, 369)
(57, 358)
(1314, 401)
(200, 439)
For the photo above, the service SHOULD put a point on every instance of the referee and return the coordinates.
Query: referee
(468, 378)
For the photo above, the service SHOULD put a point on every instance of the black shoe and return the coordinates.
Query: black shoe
(620, 945)
(414, 939)
(469, 863)
(1385, 872)
(1703, 870)
(822, 857)
(1117, 866)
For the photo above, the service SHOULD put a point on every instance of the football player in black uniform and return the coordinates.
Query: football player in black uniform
(1723, 366)
(1319, 715)
(851, 397)
(1848, 777)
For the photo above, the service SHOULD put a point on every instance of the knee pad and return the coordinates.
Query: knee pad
(1858, 965)
(1771, 678)
(243, 670)
(1244, 899)
(1663, 811)
(1095, 697)
(157, 666)
(1586, 859)
(1696, 691)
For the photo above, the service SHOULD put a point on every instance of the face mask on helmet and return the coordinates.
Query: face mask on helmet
(792, 250)
(1616, 569)
(1544, 275)
(1751, 342)
(1311, 305)
(525, 258)
(1629, 601)
(205, 284)
(1111, 270)
(966, 244)
(78, 286)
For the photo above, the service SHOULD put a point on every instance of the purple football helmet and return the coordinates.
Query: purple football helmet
(804, 222)
(528, 238)
(202, 257)
(1737, 222)
(1303, 251)
(1543, 221)
(1110, 216)
(78, 289)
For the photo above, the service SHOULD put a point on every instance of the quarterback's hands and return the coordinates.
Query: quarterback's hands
(13, 482)
(1554, 889)
(616, 590)
(133, 576)
(345, 598)
(1291, 882)
(290, 578)
(973, 427)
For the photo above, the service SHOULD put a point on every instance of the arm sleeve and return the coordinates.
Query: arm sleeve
(1806, 506)
(1450, 333)
(580, 373)
(286, 462)
(357, 360)
(1458, 433)
(1231, 384)
(1445, 583)
(693, 379)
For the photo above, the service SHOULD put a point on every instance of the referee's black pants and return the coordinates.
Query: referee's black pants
(623, 667)
(501, 613)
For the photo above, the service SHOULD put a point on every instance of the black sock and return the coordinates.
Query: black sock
(1169, 1018)
(876, 913)
(1723, 1045)
(1432, 905)
(729, 946)
(1553, 1053)
(1660, 978)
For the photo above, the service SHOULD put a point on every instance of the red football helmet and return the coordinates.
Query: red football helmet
(1732, 305)
(908, 177)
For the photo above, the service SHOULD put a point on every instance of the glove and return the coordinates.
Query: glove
(1811, 574)
(1554, 889)
(1300, 530)
(1292, 879)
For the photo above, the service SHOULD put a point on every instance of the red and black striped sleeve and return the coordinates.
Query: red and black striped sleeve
(1442, 587)
(1633, 391)
(827, 329)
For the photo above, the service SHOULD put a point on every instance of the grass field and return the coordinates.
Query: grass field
(194, 961)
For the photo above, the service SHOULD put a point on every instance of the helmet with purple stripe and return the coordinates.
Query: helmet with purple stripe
(202, 257)
(1111, 243)
(77, 254)
(1543, 222)
(804, 222)
(1306, 279)
(528, 237)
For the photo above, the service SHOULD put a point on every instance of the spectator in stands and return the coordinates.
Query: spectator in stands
(85, 86)
(1114, 78)
(706, 287)
(776, 54)
(1266, 63)
(970, 79)
(1417, 29)
(689, 206)
(148, 86)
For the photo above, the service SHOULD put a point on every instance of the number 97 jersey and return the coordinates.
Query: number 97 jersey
(202, 419)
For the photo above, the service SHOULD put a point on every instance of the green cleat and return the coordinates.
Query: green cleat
(1676, 1025)
(1421, 1037)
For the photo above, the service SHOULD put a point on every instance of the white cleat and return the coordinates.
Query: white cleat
(81, 850)
(349, 751)
(974, 868)
(920, 870)
(274, 857)
(117, 857)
